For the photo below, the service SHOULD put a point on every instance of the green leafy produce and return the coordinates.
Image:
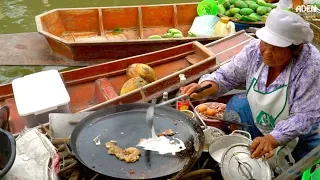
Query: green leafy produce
(177, 36)
(262, 10)
(237, 16)
(246, 11)
(255, 16)
(155, 37)
(240, 4)
(253, 6)
(226, 4)
(167, 35)
(234, 11)
(269, 9)
(227, 13)
(174, 31)
(221, 9)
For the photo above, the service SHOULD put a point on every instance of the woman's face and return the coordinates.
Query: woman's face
(275, 56)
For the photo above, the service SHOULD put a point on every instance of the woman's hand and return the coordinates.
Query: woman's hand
(189, 89)
(262, 146)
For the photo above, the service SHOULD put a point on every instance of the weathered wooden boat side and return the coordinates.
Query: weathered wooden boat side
(93, 33)
(93, 87)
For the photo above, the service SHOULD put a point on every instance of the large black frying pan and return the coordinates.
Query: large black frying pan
(127, 124)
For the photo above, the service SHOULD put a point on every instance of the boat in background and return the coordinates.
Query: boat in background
(94, 87)
(109, 33)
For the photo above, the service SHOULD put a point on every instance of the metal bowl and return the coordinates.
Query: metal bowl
(221, 144)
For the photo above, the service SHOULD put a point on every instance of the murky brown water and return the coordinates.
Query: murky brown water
(17, 16)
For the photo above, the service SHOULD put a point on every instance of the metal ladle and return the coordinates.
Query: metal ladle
(150, 110)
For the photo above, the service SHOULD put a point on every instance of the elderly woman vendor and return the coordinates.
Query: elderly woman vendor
(281, 71)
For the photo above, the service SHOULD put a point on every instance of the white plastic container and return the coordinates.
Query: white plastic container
(203, 26)
(36, 95)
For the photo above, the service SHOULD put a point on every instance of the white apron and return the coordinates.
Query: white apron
(267, 110)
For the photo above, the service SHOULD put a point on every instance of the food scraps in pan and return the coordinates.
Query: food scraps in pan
(129, 155)
(97, 140)
(167, 132)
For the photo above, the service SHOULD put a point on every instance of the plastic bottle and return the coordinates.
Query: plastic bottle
(165, 97)
(224, 27)
(182, 104)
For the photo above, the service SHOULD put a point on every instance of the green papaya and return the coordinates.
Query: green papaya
(177, 36)
(255, 16)
(262, 3)
(240, 4)
(155, 37)
(271, 5)
(232, 6)
(246, 11)
(174, 31)
(264, 18)
(246, 18)
(228, 13)
(248, 2)
(167, 35)
(262, 10)
(269, 9)
(253, 6)
(221, 9)
(237, 16)
(190, 34)
(226, 4)
(232, 1)
(234, 11)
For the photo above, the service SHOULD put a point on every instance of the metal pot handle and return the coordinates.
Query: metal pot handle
(245, 133)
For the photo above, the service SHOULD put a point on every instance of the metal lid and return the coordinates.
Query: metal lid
(236, 163)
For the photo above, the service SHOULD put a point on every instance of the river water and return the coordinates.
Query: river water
(17, 16)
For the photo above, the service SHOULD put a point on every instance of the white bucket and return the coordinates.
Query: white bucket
(203, 26)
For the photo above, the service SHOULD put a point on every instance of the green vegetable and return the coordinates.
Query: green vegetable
(272, 5)
(155, 37)
(249, 2)
(177, 36)
(232, 1)
(246, 18)
(253, 6)
(264, 18)
(234, 11)
(221, 9)
(167, 35)
(190, 34)
(246, 11)
(262, 3)
(262, 10)
(174, 31)
(228, 13)
(116, 31)
(226, 4)
(232, 6)
(240, 4)
(269, 9)
(255, 16)
(237, 16)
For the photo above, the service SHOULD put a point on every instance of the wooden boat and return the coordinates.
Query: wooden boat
(115, 32)
(97, 86)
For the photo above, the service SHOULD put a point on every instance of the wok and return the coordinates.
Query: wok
(126, 124)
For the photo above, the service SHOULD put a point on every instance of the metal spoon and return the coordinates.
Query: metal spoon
(150, 110)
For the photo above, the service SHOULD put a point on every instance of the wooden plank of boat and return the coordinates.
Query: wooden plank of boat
(97, 85)
(110, 33)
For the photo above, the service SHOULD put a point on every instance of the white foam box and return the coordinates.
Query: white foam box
(36, 95)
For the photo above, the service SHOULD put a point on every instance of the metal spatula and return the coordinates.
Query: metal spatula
(150, 110)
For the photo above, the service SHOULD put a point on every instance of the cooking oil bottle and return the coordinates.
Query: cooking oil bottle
(182, 104)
